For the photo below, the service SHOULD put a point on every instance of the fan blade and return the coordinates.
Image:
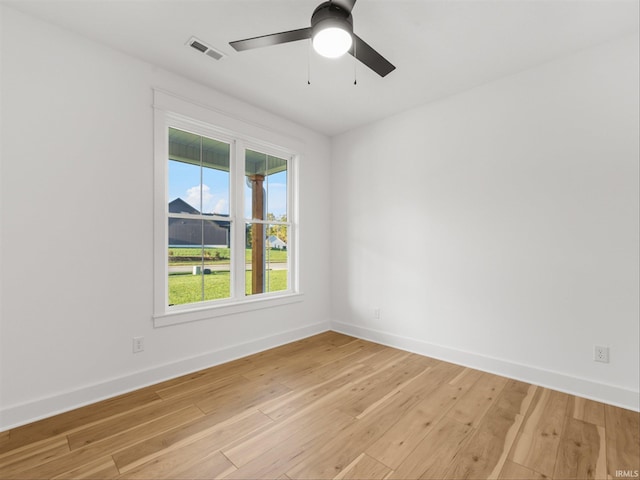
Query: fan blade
(273, 39)
(372, 59)
(345, 4)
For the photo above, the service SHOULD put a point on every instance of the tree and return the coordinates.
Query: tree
(279, 231)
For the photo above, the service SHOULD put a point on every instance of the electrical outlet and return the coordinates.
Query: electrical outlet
(601, 354)
(376, 313)
(138, 344)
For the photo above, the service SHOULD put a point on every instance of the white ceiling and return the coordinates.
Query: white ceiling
(440, 47)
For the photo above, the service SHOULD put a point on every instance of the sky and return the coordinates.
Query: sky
(184, 183)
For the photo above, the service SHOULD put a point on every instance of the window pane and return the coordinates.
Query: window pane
(277, 266)
(266, 258)
(217, 260)
(185, 261)
(215, 176)
(184, 172)
(186, 234)
(255, 258)
(277, 189)
(197, 271)
(265, 186)
(198, 174)
(255, 187)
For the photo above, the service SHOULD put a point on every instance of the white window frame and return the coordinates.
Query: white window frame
(173, 111)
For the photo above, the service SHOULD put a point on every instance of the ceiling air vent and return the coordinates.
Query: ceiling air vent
(206, 49)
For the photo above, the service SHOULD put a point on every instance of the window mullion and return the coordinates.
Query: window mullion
(238, 250)
(190, 216)
(292, 222)
(270, 222)
(201, 229)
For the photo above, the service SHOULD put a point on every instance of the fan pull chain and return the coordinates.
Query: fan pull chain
(309, 64)
(355, 64)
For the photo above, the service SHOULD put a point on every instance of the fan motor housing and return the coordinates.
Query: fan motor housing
(330, 15)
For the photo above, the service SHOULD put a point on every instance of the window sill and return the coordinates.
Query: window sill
(196, 314)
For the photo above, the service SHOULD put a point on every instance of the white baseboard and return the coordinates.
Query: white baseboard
(17, 415)
(581, 387)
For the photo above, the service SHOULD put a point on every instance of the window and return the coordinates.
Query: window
(198, 223)
(226, 233)
(266, 224)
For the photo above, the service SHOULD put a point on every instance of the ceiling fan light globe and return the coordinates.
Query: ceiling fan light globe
(332, 42)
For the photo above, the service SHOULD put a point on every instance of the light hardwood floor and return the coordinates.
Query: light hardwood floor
(331, 406)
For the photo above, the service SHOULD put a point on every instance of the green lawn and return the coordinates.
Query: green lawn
(187, 288)
(217, 256)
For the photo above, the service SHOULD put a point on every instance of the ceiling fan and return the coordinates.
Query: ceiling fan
(332, 36)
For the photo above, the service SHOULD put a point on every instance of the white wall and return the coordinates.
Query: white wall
(499, 228)
(77, 234)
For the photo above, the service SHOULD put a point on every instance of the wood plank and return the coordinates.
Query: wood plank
(276, 456)
(288, 350)
(383, 357)
(127, 421)
(512, 396)
(141, 433)
(293, 402)
(76, 459)
(79, 418)
(432, 378)
(194, 461)
(364, 467)
(355, 438)
(485, 455)
(218, 372)
(481, 457)
(235, 399)
(587, 411)
(307, 352)
(536, 446)
(282, 370)
(517, 401)
(343, 360)
(467, 377)
(403, 437)
(435, 453)
(319, 353)
(4, 436)
(212, 466)
(336, 338)
(622, 440)
(394, 376)
(99, 469)
(579, 452)
(58, 466)
(477, 400)
(212, 381)
(30, 455)
(214, 389)
(219, 434)
(513, 471)
(292, 431)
